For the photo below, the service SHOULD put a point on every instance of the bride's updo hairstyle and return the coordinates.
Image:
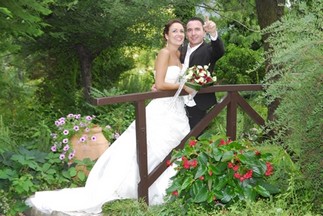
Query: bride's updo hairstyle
(169, 24)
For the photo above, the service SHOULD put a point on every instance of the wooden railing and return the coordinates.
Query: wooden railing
(230, 101)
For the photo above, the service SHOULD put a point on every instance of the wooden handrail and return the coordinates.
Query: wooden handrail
(232, 101)
(159, 94)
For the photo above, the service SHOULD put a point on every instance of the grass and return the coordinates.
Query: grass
(265, 207)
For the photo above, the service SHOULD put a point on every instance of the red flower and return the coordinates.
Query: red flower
(168, 163)
(248, 174)
(201, 178)
(258, 153)
(193, 163)
(186, 164)
(222, 142)
(210, 173)
(230, 165)
(237, 175)
(235, 168)
(269, 170)
(175, 193)
(192, 143)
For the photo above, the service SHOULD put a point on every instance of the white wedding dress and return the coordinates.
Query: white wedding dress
(115, 175)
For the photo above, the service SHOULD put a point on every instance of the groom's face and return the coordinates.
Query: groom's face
(195, 32)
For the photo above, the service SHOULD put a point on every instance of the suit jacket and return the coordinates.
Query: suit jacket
(205, 54)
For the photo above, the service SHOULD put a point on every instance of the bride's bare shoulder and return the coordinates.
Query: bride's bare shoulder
(162, 57)
(163, 51)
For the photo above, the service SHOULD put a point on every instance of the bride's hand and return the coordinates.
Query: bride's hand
(188, 89)
(153, 88)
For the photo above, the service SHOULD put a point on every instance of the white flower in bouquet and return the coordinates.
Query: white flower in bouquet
(198, 77)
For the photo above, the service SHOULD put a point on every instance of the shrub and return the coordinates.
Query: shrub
(27, 171)
(214, 171)
(296, 81)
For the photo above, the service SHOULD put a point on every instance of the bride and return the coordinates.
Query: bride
(115, 174)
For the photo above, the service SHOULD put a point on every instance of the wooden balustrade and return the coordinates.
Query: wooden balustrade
(231, 101)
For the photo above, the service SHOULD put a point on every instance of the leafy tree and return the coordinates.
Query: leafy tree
(269, 11)
(20, 19)
(241, 32)
(84, 29)
(295, 78)
(244, 20)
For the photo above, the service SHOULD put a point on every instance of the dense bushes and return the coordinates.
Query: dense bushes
(296, 81)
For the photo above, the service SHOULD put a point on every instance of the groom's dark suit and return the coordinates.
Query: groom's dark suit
(205, 54)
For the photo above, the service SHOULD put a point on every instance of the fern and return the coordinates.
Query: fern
(6, 143)
(296, 80)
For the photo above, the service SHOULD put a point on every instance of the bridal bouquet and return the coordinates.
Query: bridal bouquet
(198, 77)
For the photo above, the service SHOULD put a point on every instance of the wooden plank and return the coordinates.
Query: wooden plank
(141, 138)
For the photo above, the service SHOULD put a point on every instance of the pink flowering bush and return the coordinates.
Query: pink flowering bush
(73, 125)
(216, 170)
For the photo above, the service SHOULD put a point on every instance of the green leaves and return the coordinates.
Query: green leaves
(225, 172)
(26, 171)
(23, 17)
(199, 193)
(227, 156)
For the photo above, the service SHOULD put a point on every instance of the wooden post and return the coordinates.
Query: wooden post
(141, 138)
(232, 116)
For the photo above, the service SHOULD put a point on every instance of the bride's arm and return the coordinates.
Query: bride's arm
(161, 66)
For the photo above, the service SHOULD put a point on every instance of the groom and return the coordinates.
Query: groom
(198, 52)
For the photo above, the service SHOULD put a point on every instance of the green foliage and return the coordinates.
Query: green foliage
(125, 207)
(98, 25)
(212, 170)
(237, 66)
(54, 70)
(261, 207)
(6, 142)
(59, 89)
(246, 127)
(118, 116)
(109, 65)
(296, 81)
(285, 168)
(23, 17)
(238, 28)
(28, 171)
(20, 111)
(184, 10)
(82, 31)
(136, 81)
(41, 135)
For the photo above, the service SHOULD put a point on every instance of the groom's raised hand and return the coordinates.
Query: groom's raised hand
(210, 27)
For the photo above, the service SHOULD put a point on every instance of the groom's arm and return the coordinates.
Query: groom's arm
(218, 50)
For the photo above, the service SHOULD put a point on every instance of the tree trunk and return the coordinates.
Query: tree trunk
(86, 59)
(268, 12)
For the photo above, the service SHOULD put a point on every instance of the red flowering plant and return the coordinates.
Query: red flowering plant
(198, 77)
(217, 170)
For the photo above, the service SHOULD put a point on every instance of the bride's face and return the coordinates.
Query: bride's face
(175, 34)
